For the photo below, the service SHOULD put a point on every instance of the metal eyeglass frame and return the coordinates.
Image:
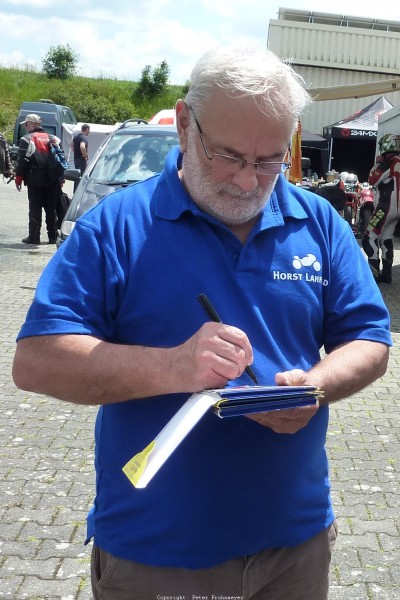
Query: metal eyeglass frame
(234, 163)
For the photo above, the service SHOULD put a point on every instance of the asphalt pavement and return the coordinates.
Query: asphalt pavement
(46, 458)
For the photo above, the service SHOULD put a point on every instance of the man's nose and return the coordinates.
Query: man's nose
(247, 178)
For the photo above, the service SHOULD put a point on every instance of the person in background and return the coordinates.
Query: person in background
(242, 508)
(378, 238)
(6, 166)
(32, 170)
(80, 145)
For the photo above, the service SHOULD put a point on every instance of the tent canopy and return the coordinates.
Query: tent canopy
(316, 148)
(352, 141)
(355, 90)
(363, 124)
(98, 133)
(313, 140)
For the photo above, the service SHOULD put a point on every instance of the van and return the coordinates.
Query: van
(52, 115)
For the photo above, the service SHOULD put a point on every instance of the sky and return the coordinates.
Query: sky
(118, 38)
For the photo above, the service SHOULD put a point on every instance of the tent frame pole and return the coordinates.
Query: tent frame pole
(330, 154)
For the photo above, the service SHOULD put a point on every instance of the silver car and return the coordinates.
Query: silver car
(133, 152)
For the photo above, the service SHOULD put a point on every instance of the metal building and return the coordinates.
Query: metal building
(334, 51)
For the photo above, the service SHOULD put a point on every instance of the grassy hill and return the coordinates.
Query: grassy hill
(98, 100)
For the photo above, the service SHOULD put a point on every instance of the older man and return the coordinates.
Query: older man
(242, 508)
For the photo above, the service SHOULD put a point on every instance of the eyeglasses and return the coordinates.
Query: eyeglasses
(232, 164)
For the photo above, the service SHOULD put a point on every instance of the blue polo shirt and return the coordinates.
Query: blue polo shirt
(130, 273)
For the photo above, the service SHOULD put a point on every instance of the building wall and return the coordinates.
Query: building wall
(332, 50)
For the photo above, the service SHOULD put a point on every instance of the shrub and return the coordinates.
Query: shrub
(94, 100)
(60, 62)
(96, 110)
(153, 82)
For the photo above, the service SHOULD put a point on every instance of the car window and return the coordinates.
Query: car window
(132, 158)
(67, 116)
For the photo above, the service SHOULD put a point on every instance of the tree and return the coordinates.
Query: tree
(153, 82)
(185, 87)
(60, 62)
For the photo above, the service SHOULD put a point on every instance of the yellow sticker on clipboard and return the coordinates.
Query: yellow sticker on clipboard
(135, 466)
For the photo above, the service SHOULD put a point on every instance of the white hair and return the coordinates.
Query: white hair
(276, 88)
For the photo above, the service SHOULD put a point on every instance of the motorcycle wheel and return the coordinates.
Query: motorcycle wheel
(366, 217)
(348, 214)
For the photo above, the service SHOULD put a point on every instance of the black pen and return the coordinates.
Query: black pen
(214, 316)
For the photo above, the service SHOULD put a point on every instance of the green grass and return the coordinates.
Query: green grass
(93, 100)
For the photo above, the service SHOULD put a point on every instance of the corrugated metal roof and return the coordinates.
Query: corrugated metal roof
(335, 47)
(333, 52)
(306, 16)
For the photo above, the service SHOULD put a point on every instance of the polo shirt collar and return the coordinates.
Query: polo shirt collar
(172, 200)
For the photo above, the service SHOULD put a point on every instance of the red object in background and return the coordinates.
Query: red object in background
(167, 116)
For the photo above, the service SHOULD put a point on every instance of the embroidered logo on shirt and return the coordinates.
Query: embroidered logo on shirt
(307, 261)
(304, 270)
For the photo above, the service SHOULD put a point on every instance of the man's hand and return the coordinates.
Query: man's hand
(215, 354)
(105, 372)
(288, 420)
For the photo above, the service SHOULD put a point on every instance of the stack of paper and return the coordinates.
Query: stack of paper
(226, 402)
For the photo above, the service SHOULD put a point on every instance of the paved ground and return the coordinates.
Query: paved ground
(46, 460)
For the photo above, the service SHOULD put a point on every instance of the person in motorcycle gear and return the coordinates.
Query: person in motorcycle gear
(32, 170)
(377, 241)
(389, 143)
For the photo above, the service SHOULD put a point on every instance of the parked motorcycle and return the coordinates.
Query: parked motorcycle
(354, 202)
(365, 208)
(360, 203)
(349, 184)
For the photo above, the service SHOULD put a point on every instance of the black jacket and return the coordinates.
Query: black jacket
(34, 169)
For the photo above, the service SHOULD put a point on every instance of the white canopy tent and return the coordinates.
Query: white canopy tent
(97, 135)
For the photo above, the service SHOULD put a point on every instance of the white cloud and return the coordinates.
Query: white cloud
(29, 3)
(119, 39)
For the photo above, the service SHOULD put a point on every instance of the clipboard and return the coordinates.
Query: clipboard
(226, 402)
(241, 401)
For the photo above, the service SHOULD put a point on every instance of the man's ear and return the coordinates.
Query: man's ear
(182, 123)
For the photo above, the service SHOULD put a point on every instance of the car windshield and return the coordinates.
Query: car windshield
(132, 157)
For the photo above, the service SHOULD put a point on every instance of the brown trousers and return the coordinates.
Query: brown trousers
(299, 573)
